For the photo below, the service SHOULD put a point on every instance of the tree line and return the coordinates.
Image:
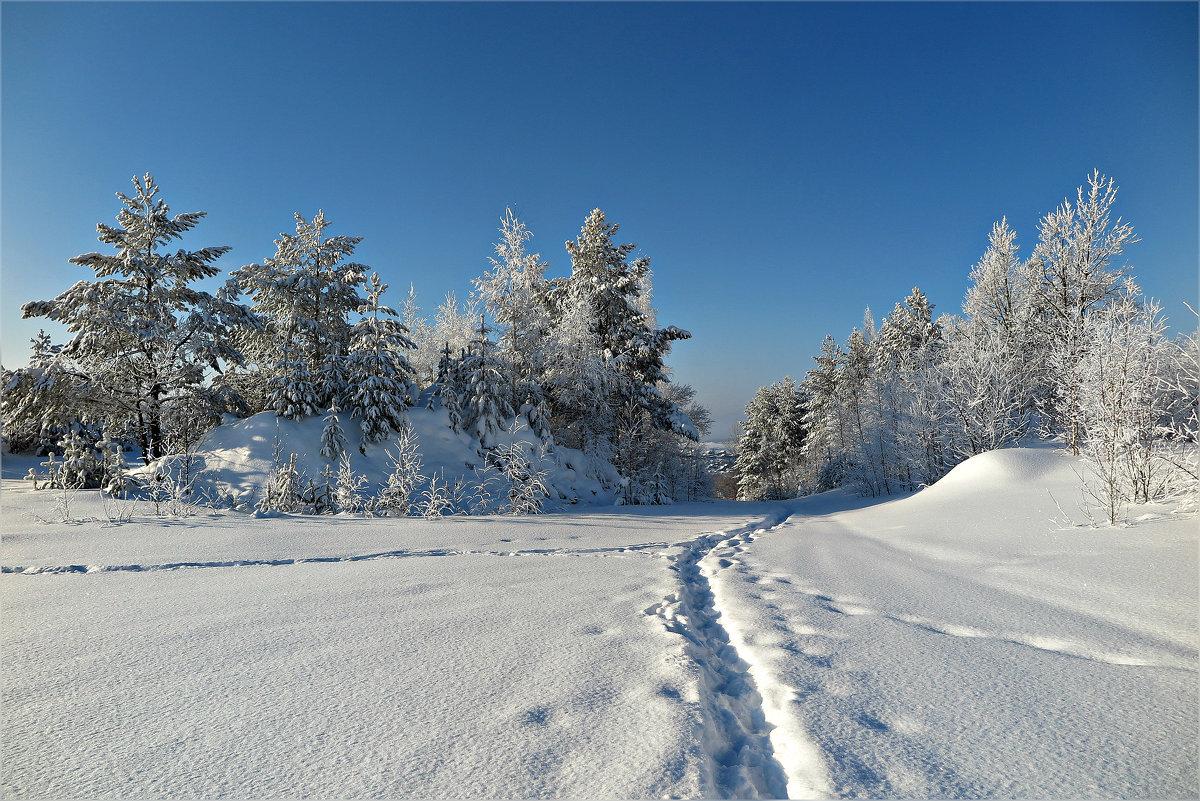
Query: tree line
(155, 361)
(1062, 344)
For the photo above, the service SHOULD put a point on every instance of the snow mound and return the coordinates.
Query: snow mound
(1007, 467)
(231, 463)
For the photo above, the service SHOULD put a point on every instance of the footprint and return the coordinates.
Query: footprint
(872, 722)
(670, 692)
(538, 716)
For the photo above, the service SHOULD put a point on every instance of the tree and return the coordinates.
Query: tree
(41, 400)
(396, 496)
(487, 405)
(1122, 405)
(514, 294)
(1071, 275)
(143, 337)
(424, 357)
(991, 362)
(771, 446)
(333, 438)
(579, 382)
(380, 387)
(304, 297)
(607, 287)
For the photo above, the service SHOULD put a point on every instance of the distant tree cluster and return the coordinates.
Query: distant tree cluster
(579, 359)
(1061, 344)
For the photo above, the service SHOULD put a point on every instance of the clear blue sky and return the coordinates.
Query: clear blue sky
(783, 165)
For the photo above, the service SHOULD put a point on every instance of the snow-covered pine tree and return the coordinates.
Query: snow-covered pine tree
(450, 390)
(536, 415)
(143, 336)
(40, 401)
(486, 404)
(304, 297)
(333, 438)
(380, 383)
(771, 446)
(292, 390)
(606, 283)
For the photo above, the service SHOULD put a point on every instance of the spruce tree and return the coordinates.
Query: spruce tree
(487, 406)
(379, 376)
(607, 283)
(304, 297)
(142, 336)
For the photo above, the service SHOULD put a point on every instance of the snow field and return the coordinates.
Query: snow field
(959, 643)
(472, 676)
(483, 657)
(965, 641)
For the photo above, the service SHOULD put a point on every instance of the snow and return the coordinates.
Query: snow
(235, 459)
(963, 642)
(967, 640)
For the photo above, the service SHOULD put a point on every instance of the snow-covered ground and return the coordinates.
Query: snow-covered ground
(963, 641)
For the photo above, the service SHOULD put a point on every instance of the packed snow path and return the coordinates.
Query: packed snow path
(962, 642)
(736, 735)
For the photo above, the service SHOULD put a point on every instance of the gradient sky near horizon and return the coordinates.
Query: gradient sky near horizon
(783, 165)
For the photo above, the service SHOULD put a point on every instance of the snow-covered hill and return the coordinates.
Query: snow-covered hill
(235, 460)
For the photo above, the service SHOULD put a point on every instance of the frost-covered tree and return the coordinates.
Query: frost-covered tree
(396, 497)
(823, 445)
(536, 416)
(485, 402)
(380, 385)
(863, 406)
(523, 474)
(579, 382)
(1073, 273)
(772, 443)
(292, 390)
(424, 356)
(454, 325)
(450, 388)
(605, 288)
(347, 488)
(142, 336)
(1122, 406)
(41, 400)
(304, 297)
(333, 438)
(908, 388)
(991, 358)
(514, 292)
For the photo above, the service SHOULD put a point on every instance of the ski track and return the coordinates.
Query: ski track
(616, 551)
(736, 736)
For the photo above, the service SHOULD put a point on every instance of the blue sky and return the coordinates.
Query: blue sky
(783, 165)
